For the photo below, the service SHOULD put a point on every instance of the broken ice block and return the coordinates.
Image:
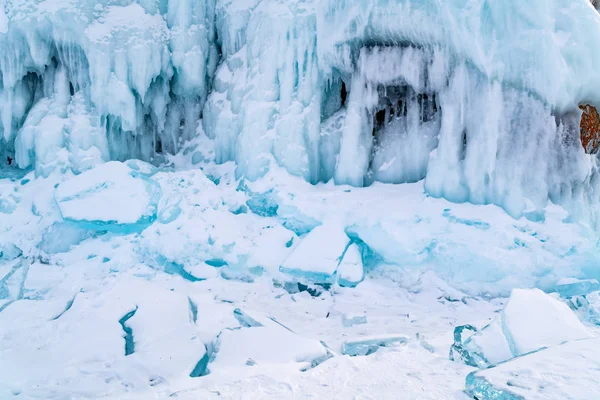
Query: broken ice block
(588, 306)
(458, 351)
(569, 287)
(350, 270)
(109, 197)
(530, 321)
(369, 345)
(567, 371)
(318, 255)
(261, 341)
(9, 252)
(349, 321)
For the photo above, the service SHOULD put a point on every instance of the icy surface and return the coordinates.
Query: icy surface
(269, 198)
(479, 99)
(108, 194)
(569, 287)
(531, 320)
(568, 371)
(351, 271)
(319, 254)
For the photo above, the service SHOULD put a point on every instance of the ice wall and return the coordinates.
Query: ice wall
(477, 97)
(115, 78)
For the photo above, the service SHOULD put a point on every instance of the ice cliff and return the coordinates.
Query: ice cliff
(477, 97)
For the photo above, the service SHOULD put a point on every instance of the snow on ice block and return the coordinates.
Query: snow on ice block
(369, 345)
(569, 287)
(318, 255)
(350, 270)
(262, 341)
(530, 321)
(111, 195)
(567, 371)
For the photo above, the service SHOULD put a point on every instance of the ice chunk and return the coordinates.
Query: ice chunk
(350, 271)
(59, 237)
(369, 345)
(587, 306)
(9, 252)
(109, 196)
(593, 312)
(318, 255)
(530, 321)
(351, 320)
(566, 372)
(569, 287)
(263, 341)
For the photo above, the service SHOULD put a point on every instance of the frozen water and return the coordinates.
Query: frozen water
(369, 345)
(326, 89)
(531, 320)
(319, 254)
(567, 371)
(350, 270)
(352, 169)
(569, 287)
(262, 341)
(84, 198)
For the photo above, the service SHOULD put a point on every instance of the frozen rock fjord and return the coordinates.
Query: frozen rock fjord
(478, 98)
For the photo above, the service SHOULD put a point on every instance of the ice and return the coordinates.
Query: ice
(319, 254)
(351, 320)
(350, 168)
(531, 320)
(593, 312)
(567, 371)
(369, 345)
(262, 341)
(84, 198)
(325, 89)
(569, 287)
(350, 269)
(394, 93)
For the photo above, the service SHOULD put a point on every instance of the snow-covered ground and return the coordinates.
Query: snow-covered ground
(130, 281)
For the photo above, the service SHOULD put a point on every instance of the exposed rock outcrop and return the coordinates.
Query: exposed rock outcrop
(590, 129)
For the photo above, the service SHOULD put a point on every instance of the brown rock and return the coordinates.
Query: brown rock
(590, 129)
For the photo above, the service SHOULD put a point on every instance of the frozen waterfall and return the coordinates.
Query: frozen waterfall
(479, 98)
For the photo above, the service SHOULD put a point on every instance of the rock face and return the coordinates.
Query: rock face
(590, 129)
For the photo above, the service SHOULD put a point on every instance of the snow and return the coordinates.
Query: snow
(319, 254)
(357, 92)
(351, 271)
(567, 371)
(276, 198)
(530, 321)
(108, 194)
